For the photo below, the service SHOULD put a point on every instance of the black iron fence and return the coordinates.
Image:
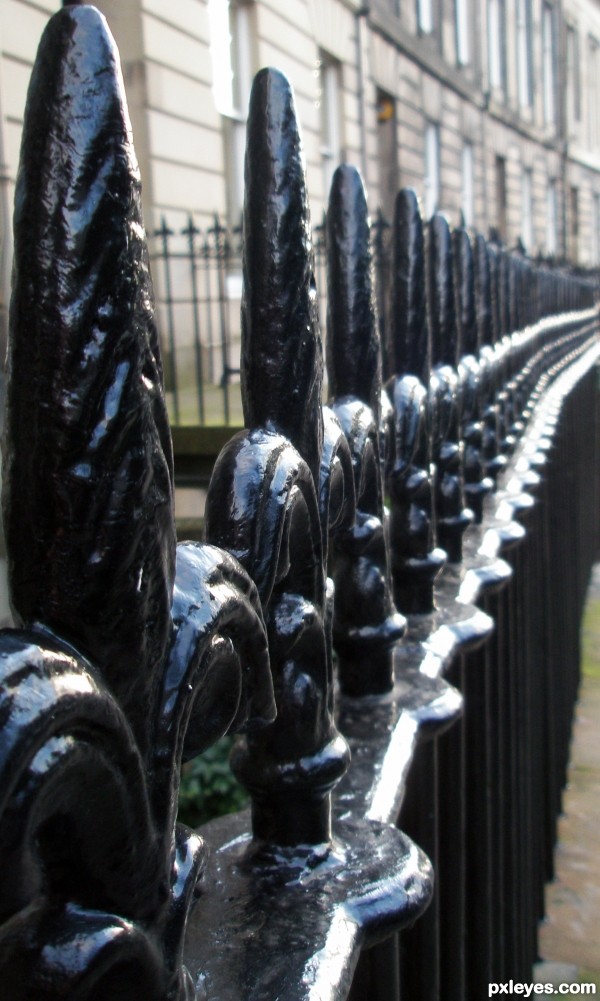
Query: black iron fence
(198, 279)
(402, 681)
(198, 282)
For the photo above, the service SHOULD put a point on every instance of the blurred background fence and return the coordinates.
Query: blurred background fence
(198, 284)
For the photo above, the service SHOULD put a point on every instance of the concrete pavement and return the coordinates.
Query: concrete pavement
(570, 935)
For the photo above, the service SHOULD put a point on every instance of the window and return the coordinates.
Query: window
(496, 26)
(431, 192)
(573, 76)
(329, 102)
(527, 208)
(500, 179)
(463, 47)
(524, 53)
(548, 64)
(387, 153)
(232, 66)
(574, 224)
(468, 185)
(593, 92)
(596, 230)
(425, 16)
(551, 219)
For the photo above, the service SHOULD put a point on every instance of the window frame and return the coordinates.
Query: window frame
(548, 64)
(552, 218)
(524, 52)
(330, 96)
(462, 32)
(573, 55)
(527, 224)
(496, 44)
(431, 171)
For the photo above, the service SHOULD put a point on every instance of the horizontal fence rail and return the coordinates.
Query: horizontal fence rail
(386, 606)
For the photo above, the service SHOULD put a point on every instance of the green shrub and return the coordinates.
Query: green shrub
(208, 788)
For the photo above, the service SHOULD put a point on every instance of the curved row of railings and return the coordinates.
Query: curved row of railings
(386, 606)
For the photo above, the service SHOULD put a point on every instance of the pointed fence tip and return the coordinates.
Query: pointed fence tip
(281, 345)
(408, 334)
(353, 345)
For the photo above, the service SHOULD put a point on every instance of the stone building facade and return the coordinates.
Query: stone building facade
(489, 108)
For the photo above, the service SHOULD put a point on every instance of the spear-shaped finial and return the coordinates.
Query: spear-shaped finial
(409, 349)
(262, 503)
(281, 344)
(353, 356)
(88, 464)
(366, 624)
(464, 281)
(415, 561)
(483, 291)
(441, 294)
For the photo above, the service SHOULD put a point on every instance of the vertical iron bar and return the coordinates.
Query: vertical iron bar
(382, 276)
(420, 970)
(451, 848)
(191, 232)
(206, 257)
(164, 232)
(221, 256)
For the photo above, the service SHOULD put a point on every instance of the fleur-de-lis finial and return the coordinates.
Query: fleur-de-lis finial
(282, 365)
(415, 561)
(409, 332)
(477, 485)
(100, 564)
(366, 624)
(445, 403)
(263, 502)
(127, 659)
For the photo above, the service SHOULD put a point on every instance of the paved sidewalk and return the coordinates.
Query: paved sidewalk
(570, 935)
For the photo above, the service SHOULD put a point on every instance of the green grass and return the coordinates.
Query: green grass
(214, 406)
(590, 634)
(589, 976)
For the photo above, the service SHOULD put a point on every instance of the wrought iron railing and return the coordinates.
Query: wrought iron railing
(404, 708)
(198, 282)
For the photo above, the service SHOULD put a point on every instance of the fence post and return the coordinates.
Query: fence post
(279, 490)
(452, 518)
(291, 769)
(164, 233)
(415, 561)
(132, 653)
(476, 484)
(219, 234)
(365, 625)
(192, 232)
(127, 653)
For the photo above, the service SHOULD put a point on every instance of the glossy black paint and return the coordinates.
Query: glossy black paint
(271, 486)
(409, 331)
(131, 654)
(365, 623)
(415, 560)
(84, 352)
(452, 517)
(301, 916)
(282, 367)
(476, 484)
